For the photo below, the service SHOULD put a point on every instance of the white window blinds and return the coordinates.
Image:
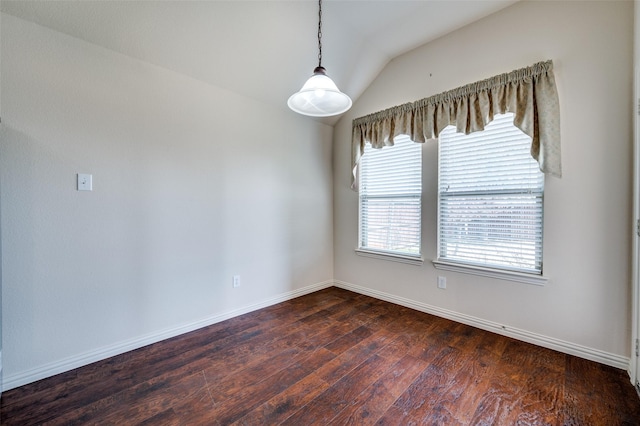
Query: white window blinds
(490, 198)
(390, 198)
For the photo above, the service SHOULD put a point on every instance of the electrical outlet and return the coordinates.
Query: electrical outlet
(236, 281)
(85, 182)
(442, 282)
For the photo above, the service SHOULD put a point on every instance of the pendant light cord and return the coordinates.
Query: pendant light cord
(319, 96)
(319, 33)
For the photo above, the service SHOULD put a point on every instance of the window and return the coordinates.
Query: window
(490, 193)
(390, 199)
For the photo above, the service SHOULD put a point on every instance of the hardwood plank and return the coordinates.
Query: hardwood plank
(394, 416)
(332, 357)
(523, 389)
(438, 379)
(459, 401)
(374, 401)
(246, 400)
(231, 384)
(349, 340)
(146, 366)
(401, 375)
(472, 380)
(188, 394)
(338, 367)
(137, 404)
(338, 396)
(500, 399)
(283, 405)
(594, 395)
(366, 408)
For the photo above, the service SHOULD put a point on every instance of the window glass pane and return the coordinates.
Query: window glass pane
(390, 198)
(490, 198)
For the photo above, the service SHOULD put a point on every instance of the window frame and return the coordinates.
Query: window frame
(488, 270)
(368, 251)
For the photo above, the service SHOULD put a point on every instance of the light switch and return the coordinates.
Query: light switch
(85, 182)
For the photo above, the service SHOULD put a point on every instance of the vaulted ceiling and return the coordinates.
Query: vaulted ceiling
(261, 49)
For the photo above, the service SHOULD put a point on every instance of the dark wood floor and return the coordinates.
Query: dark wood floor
(332, 357)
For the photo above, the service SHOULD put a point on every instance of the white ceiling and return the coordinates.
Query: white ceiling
(262, 49)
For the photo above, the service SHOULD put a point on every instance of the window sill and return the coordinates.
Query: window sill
(491, 273)
(391, 257)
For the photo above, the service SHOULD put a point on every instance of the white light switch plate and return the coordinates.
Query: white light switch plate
(85, 182)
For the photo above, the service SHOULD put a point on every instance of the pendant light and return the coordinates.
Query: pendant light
(319, 97)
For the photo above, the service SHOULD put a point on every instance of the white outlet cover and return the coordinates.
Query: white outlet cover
(442, 282)
(85, 182)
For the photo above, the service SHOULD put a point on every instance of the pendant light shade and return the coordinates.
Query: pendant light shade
(319, 97)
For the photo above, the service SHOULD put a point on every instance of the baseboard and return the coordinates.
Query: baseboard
(70, 363)
(570, 348)
(51, 369)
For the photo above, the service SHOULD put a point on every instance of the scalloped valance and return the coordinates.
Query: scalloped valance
(529, 93)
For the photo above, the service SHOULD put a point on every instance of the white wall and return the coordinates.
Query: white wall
(191, 185)
(587, 241)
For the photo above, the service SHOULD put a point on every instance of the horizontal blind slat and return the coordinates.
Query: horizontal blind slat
(390, 198)
(490, 198)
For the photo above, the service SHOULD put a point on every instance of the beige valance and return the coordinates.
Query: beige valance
(529, 93)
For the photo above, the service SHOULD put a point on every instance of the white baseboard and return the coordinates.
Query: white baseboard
(519, 334)
(66, 364)
(51, 369)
